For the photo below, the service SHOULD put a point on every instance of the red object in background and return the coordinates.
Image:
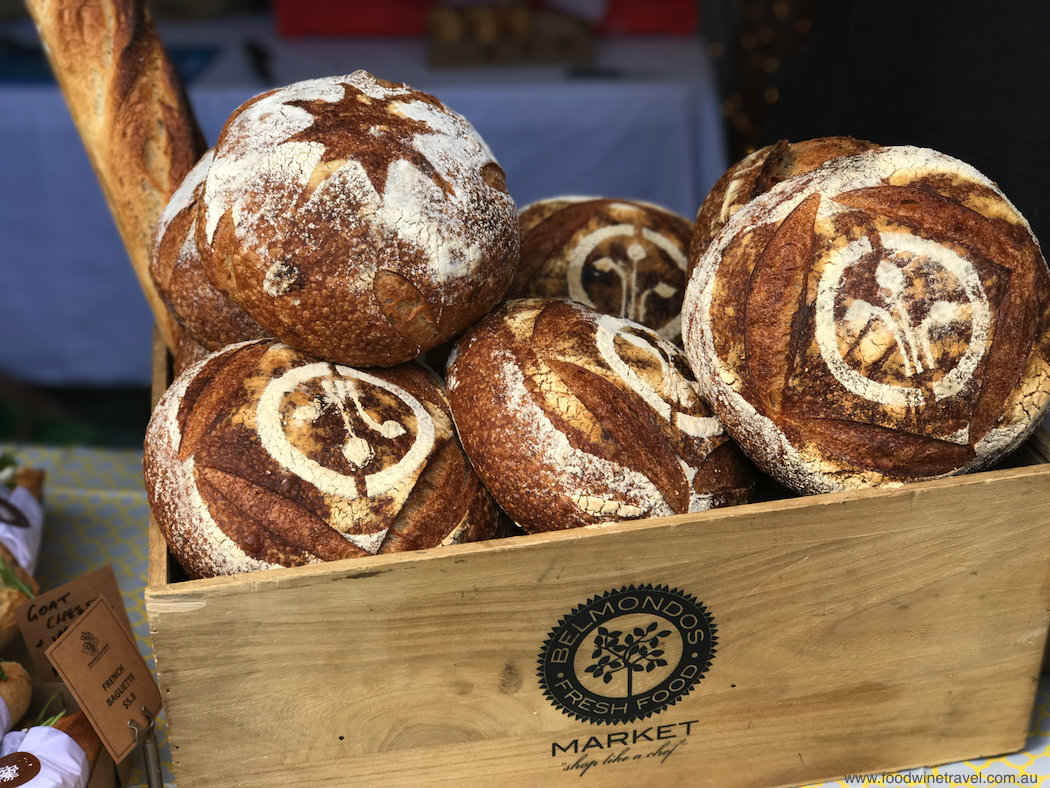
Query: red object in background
(401, 18)
(653, 17)
(297, 18)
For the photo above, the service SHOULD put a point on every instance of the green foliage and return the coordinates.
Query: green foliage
(49, 721)
(9, 578)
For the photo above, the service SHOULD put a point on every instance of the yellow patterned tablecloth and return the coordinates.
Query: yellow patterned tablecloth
(96, 513)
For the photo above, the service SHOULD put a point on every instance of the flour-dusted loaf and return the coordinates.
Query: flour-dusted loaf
(573, 417)
(357, 220)
(130, 108)
(621, 257)
(261, 456)
(759, 172)
(881, 319)
(208, 317)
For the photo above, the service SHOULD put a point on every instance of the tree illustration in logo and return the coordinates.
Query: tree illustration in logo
(638, 652)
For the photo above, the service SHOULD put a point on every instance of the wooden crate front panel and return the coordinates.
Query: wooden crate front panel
(855, 632)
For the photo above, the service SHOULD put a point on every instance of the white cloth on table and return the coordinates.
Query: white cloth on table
(642, 122)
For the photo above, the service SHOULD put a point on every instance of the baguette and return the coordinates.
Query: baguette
(132, 113)
(78, 727)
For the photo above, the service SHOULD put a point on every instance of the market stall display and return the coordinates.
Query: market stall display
(632, 636)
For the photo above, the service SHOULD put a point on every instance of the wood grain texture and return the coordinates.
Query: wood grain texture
(858, 631)
(130, 108)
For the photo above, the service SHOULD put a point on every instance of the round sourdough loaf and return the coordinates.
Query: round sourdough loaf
(357, 220)
(573, 417)
(620, 257)
(211, 319)
(881, 319)
(261, 456)
(187, 352)
(758, 173)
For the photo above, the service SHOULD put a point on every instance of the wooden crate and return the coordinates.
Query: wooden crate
(852, 632)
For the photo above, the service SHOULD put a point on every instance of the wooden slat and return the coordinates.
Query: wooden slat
(878, 629)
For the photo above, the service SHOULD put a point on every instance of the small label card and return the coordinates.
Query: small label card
(43, 620)
(101, 665)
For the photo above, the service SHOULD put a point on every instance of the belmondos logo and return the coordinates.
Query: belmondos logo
(627, 654)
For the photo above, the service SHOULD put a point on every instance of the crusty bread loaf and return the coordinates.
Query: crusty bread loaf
(187, 353)
(572, 417)
(131, 111)
(881, 319)
(130, 108)
(759, 172)
(357, 220)
(622, 257)
(261, 456)
(79, 728)
(209, 318)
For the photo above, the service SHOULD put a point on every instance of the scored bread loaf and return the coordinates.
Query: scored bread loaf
(572, 417)
(759, 172)
(187, 353)
(622, 257)
(261, 456)
(357, 220)
(881, 319)
(131, 111)
(209, 318)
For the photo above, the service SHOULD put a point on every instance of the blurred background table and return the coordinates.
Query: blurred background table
(640, 121)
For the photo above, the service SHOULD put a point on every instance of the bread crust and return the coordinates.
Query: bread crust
(360, 221)
(622, 257)
(16, 689)
(261, 456)
(880, 319)
(759, 172)
(572, 417)
(130, 108)
(11, 598)
(209, 318)
(79, 728)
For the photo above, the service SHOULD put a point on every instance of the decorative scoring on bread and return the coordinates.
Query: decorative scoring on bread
(572, 417)
(624, 258)
(358, 220)
(261, 456)
(268, 142)
(875, 320)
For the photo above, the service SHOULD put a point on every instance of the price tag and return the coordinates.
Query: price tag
(43, 620)
(100, 664)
